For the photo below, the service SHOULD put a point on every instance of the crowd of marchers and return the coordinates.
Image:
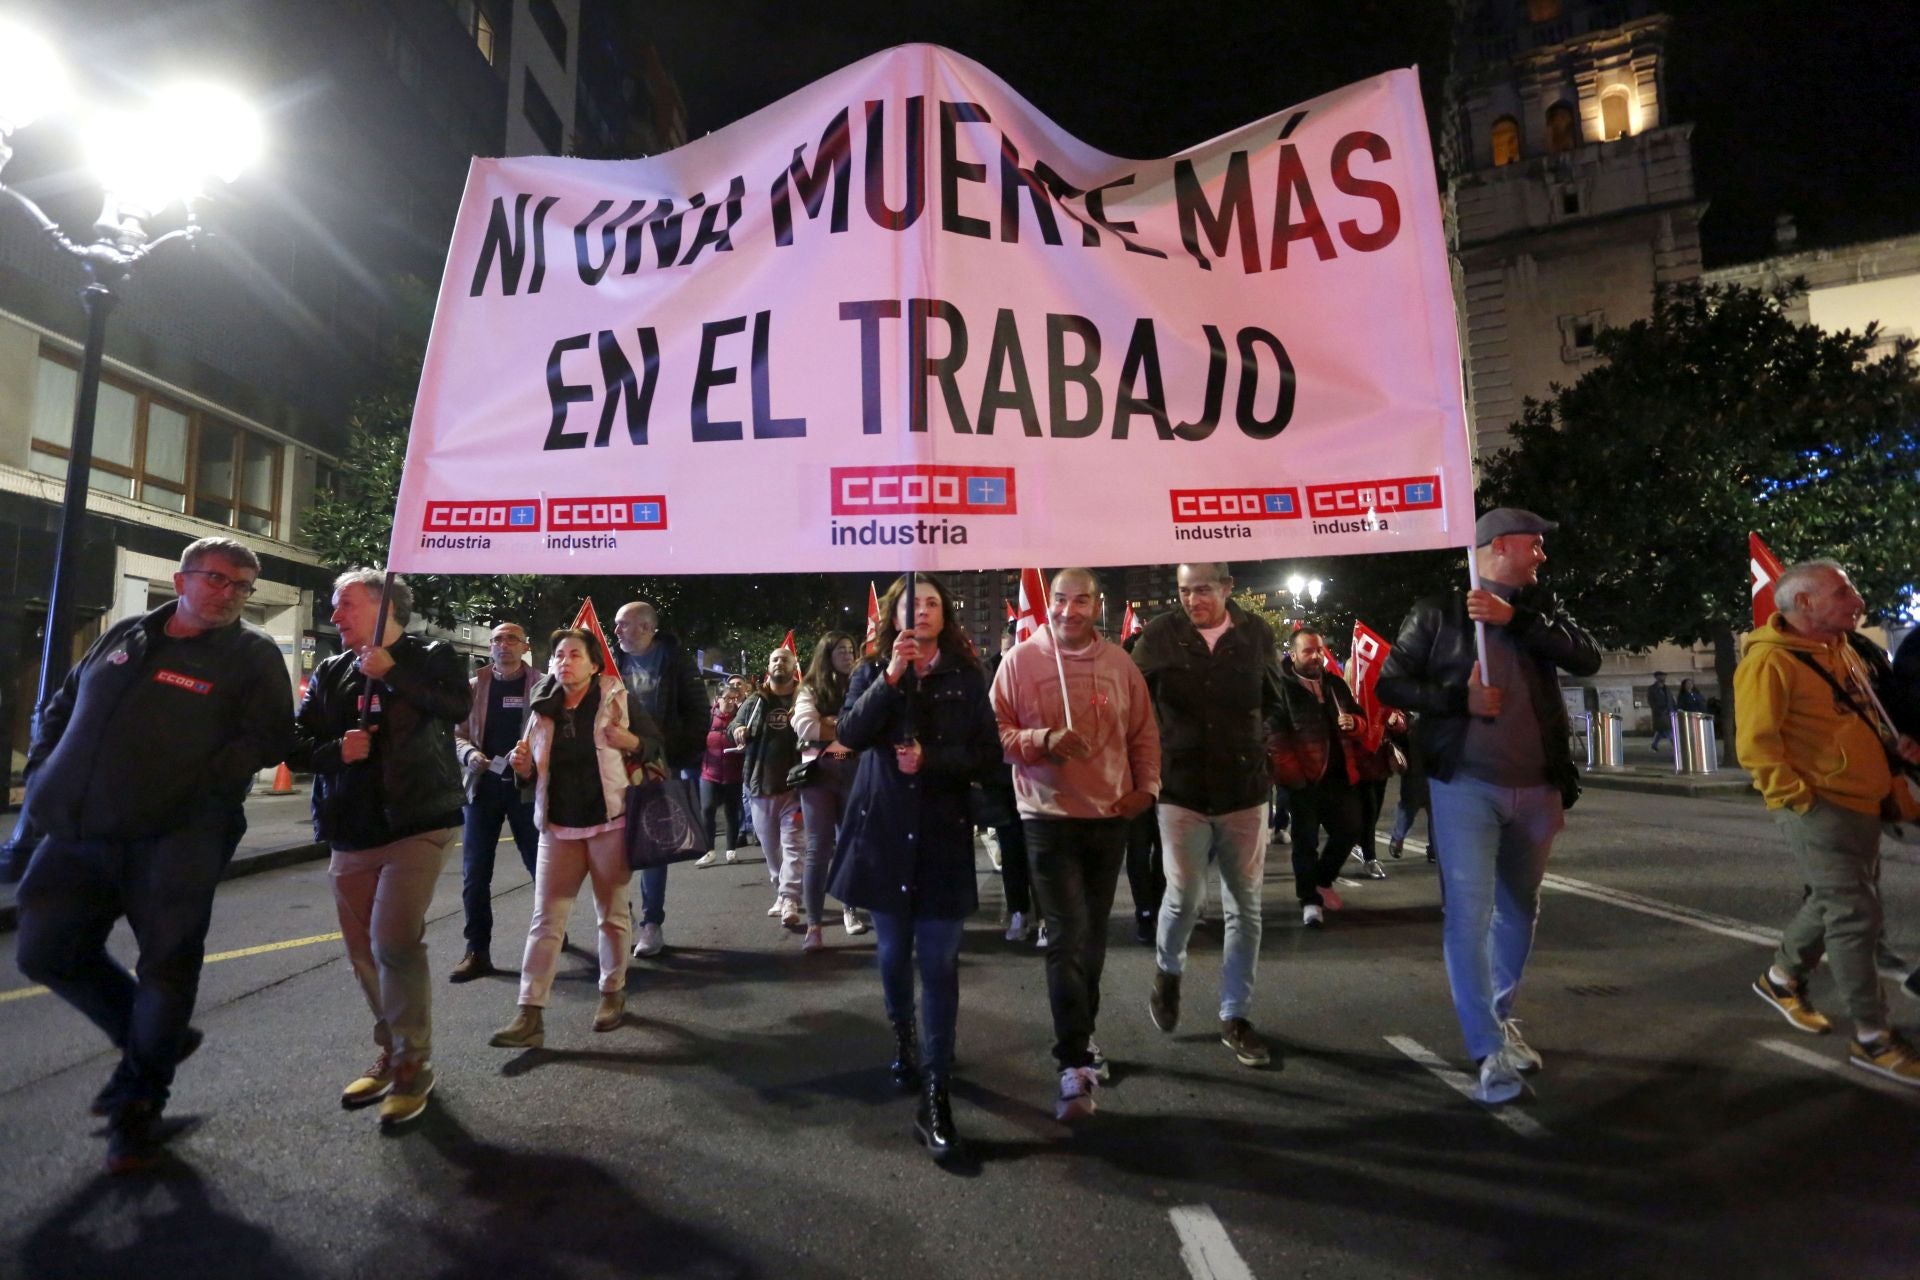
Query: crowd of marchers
(1182, 754)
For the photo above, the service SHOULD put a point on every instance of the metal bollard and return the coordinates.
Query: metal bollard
(1695, 745)
(1605, 750)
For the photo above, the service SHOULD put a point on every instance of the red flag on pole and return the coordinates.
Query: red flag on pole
(1033, 604)
(1370, 652)
(873, 618)
(589, 621)
(1763, 570)
(787, 644)
(1130, 623)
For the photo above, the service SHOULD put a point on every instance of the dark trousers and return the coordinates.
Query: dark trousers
(1334, 804)
(721, 799)
(901, 940)
(495, 801)
(1015, 878)
(72, 894)
(1146, 874)
(1373, 796)
(1076, 868)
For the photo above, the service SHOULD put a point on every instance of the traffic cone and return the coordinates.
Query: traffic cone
(282, 781)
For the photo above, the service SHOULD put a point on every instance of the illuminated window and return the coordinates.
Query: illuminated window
(1563, 130)
(1613, 116)
(145, 447)
(1506, 141)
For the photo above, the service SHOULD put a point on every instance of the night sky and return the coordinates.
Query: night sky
(1807, 109)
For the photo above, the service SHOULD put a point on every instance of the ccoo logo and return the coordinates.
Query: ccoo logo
(923, 489)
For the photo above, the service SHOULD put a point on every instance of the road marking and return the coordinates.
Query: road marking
(1801, 1054)
(1205, 1246)
(23, 992)
(1461, 1083)
(1725, 926)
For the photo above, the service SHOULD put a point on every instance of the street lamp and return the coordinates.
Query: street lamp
(146, 163)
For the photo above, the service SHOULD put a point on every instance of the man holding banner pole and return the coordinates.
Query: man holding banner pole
(662, 680)
(1076, 722)
(1494, 731)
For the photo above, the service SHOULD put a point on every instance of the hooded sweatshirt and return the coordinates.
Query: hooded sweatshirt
(1112, 710)
(1800, 742)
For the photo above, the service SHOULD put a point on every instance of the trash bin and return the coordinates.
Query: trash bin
(1605, 750)
(1696, 748)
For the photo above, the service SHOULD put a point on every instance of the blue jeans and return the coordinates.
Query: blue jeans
(1493, 843)
(901, 940)
(1237, 844)
(72, 894)
(821, 805)
(496, 800)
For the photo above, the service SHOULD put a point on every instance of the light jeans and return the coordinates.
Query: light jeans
(382, 896)
(1236, 843)
(558, 870)
(1493, 844)
(777, 820)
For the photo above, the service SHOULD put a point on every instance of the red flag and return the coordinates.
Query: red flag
(1763, 570)
(1130, 623)
(787, 644)
(1033, 604)
(1370, 652)
(589, 621)
(873, 618)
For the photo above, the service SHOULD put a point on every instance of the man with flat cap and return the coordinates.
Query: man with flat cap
(1499, 770)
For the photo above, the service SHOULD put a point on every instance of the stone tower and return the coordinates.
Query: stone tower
(1570, 189)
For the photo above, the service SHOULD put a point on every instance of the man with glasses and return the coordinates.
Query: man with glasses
(483, 741)
(135, 779)
(1215, 680)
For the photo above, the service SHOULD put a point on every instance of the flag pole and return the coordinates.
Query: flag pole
(1060, 667)
(1479, 628)
(379, 634)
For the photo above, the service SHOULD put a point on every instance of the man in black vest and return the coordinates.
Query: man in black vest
(483, 741)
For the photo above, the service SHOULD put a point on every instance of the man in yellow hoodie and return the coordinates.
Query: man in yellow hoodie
(1819, 748)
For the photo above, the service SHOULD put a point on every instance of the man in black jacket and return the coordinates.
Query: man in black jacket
(1215, 680)
(387, 798)
(135, 780)
(1500, 772)
(1322, 724)
(662, 680)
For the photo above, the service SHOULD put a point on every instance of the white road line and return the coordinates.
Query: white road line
(1725, 926)
(1518, 1121)
(1838, 1066)
(1205, 1246)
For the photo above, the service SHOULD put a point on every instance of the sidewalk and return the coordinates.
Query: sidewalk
(1653, 773)
(279, 833)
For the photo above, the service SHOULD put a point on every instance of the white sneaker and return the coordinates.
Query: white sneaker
(1281, 837)
(1520, 1055)
(779, 905)
(851, 919)
(1499, 1082)
(992, 842)
(791, 916)
(1374, 870)
(1101, 1068)
(1040, 937)
(650, 942)
(1017, 927)
(1312, 916)
(709, 859)
(732, 856)
(1076, 1093)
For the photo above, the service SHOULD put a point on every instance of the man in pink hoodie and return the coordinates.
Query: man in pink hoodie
(1075, 788)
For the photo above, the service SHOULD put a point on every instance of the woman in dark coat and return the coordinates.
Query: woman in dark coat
(919, 716)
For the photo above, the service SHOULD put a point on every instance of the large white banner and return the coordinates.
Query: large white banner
(901, 320)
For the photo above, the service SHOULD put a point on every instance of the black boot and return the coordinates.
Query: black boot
(933, 1122)
(906, 1056)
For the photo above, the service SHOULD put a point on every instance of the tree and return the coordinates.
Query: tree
(1717, 415)
(727, 616)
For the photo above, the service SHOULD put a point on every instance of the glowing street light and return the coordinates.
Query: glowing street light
(148, 163)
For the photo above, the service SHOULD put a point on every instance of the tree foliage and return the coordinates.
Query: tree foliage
(1717, 415)
(724, 615)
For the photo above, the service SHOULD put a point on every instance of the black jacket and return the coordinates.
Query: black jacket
(772, 747)
(146, 728)
(684, 710)
(1215, 709)
(906, 841)
(1309, 727)
(1434, 655)
(412, 780)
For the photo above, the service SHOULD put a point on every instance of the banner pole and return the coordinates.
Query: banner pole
(1479, 628)
(379, 634)
(1060, 667)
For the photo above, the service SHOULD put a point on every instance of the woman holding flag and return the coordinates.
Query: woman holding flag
(918, 712)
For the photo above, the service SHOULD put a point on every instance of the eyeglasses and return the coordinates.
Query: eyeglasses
(221, 582)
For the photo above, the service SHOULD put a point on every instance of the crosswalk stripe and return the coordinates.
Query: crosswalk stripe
(1836, 1066)
(1518, 1121)
(1205, 1246)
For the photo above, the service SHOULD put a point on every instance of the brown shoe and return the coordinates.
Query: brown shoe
(474, 964)
(526, 1031)
(612, 1011)
(1237, 1034)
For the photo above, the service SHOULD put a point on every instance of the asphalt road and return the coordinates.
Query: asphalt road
(740, 1124)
